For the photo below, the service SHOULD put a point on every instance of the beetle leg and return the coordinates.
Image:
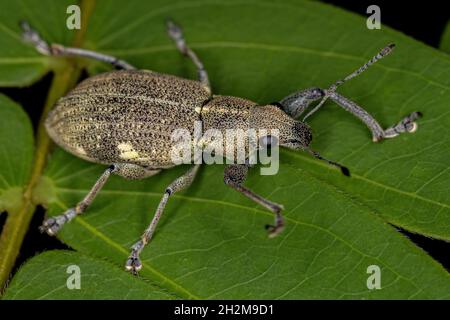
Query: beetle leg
(332, 89)
(234, 176)
(296, 103)
(130, 171)
(407, 124)
(32, 36)
(176, 34)
(134, 263)
(52, 225)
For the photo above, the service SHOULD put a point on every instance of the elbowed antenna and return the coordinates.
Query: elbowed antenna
(384, 52)
(344, 169)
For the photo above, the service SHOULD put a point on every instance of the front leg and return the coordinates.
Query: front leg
(234, 176)
(407, 124)
(296, 103)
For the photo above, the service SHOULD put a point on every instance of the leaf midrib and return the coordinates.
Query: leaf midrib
(373, 182)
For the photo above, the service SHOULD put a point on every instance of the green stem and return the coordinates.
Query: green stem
(17, 223)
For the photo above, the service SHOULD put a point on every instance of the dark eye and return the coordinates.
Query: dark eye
(268, 141)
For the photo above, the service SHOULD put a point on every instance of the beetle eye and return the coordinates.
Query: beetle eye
(268, 141)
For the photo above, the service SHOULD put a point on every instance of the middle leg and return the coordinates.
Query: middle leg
(134, 263)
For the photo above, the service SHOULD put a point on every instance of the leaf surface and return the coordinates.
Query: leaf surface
(21, 64)
(16, 154)
(16, 161)
(58, 280)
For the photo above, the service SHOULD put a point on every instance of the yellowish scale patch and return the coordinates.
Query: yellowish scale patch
(80, 150)
(127, 151)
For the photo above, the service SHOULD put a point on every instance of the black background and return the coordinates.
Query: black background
(424, 21)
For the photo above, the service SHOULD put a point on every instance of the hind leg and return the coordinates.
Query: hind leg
(130, 171)
(32, 36)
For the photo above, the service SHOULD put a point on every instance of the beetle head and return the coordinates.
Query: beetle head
(292, 134)
(300, 136)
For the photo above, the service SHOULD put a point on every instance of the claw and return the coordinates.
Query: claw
(49, 226)
(273, 231)
(276, 229)
(32, 36)
(133, 264)
(52, 225)
(407, 124)
(176, 34)
(410, 125)
(173, 29)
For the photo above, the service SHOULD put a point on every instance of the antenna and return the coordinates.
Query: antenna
(384, 52)
(315, 154)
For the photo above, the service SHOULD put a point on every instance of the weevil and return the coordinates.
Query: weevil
(123, 119)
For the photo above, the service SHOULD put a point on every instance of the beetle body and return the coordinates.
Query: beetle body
(129, 116)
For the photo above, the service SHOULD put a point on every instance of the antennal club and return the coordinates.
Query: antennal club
(316, 155)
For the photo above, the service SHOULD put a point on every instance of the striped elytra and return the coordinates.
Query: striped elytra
(126, 117)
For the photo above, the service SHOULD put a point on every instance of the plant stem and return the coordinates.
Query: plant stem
(17, 223)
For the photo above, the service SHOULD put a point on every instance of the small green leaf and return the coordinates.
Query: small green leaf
(20, 63)
(51, 275)
(16, 160)
(16, 153)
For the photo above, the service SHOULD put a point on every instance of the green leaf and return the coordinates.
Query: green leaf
(16, 159)
(210, 243)
(16, 154)
(51, 274)
(20, 63)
